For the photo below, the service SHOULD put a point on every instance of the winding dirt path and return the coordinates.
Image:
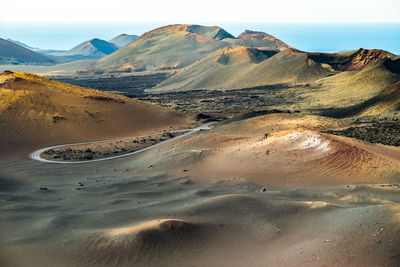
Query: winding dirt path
(36, 154)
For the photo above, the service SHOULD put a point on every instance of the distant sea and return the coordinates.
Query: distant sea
(307, 37)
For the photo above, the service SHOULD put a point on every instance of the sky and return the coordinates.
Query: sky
(312, 25)
(200, 11)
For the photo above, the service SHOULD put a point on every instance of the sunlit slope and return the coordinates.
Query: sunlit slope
(245, 68)
(373, 90)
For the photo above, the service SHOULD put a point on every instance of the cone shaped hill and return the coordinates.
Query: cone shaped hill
(36, 111)
(241, 67)
(334, 80)
(91, 49)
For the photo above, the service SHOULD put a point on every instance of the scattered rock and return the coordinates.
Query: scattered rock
(88, 156)
(167, 135)
(187, 182)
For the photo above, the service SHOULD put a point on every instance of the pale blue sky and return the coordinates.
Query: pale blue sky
(318, 25)
(200, 11)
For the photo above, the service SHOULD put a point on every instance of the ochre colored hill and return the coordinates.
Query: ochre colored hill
(245, 68)
(168, 47)
(371, 91)
(36, 112)
(260, 40)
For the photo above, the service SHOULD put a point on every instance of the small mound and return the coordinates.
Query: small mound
(299, 140)
(141, 243)
(142, 228)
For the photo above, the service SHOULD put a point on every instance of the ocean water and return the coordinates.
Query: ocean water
(307, 37)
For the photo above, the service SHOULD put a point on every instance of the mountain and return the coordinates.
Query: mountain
(353, 60)
(91, 49)
(241, 67)
(36, 111)
(260, 40)
(11, 53)
(123, 40)
(22, 44)
(168, 47)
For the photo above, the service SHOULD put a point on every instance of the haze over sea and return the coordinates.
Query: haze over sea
(308, 37)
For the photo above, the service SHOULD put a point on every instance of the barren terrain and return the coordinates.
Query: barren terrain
(202, 149)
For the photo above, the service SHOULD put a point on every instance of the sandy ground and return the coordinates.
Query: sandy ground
(216, 198)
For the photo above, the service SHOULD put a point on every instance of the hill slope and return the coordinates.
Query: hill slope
(123, 40)
(372, 91)
(36, 111)
(11, 53)
(244, 68)
(91, 49)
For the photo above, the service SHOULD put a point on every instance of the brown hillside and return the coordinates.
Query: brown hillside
(354, 60)
(36, 112)
(261, 40)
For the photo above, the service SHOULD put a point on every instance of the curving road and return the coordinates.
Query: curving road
(36, 154)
